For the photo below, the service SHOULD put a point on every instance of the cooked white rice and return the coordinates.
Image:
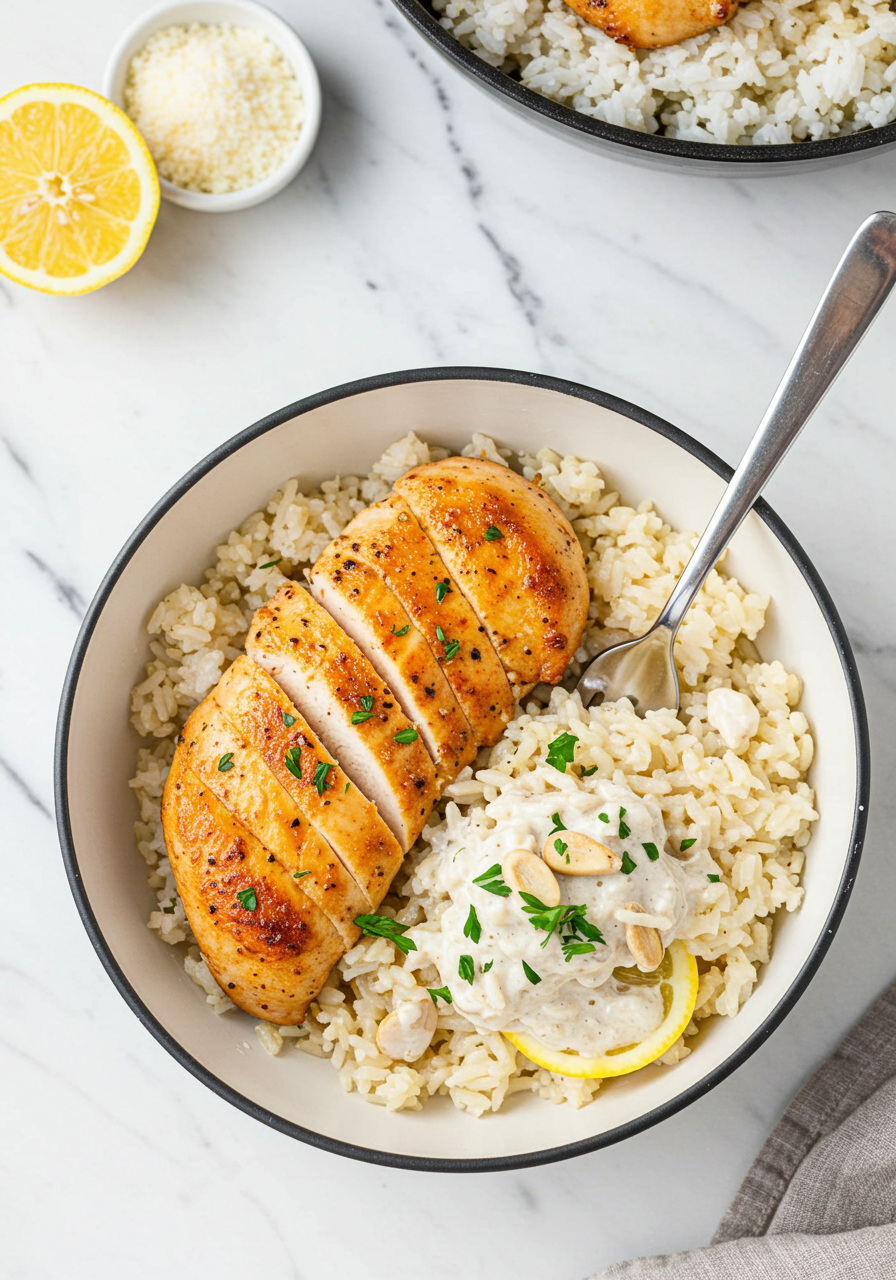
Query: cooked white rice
(753, 807)
(779, 71)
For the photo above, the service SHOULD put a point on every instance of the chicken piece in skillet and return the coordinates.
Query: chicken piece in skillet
(333, 685)
(653, 24)
(266, 943)
(241, 781)
(358, 599)
(388, 539)
(260, 711)
(514, 556)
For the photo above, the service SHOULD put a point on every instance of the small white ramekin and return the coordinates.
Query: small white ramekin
(243, 13)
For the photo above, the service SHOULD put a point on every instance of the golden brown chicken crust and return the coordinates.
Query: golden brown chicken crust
(293, 627)
(388, 633)
(654, 24)
(249, 790)
(390, 540)
(272, 960)
(347, 820)
(527, 586)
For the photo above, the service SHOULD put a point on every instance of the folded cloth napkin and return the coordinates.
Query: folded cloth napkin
(819, 1202)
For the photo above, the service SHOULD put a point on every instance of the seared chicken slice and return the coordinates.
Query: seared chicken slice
(267, 945)
(242, 782)
(356, 596)
(262, 713)
(652, 24)
(513, 554)
(330, 681)
(388, 538)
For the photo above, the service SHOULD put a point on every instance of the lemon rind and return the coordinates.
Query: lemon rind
(607, 1067)
(143, 163)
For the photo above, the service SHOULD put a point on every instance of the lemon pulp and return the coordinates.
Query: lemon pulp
(677, 979)
(79, 193)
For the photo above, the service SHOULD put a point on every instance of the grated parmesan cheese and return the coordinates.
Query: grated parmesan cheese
(218, 105)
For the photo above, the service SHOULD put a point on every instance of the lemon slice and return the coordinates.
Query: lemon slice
(79, 193)
(677, 980)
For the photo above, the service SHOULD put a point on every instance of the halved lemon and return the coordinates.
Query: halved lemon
(677, 981)
(79, 192)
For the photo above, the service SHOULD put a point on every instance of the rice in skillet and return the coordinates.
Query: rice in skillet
(779, 71)
(754, 808)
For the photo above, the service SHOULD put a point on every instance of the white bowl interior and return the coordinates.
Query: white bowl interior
(351, 433)
(242, 13)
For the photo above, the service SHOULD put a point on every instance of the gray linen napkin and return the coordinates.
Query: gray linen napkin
(819, 1202)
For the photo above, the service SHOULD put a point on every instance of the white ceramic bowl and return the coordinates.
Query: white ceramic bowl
(346, 430)
(242, 13)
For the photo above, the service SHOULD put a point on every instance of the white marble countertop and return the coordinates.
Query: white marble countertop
(431, 227)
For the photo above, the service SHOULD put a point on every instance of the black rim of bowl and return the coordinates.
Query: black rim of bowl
(439, 1164)
(420, 15)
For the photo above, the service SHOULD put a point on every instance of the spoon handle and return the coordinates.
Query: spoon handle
(857, 291)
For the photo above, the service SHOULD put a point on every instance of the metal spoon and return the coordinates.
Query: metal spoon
(644, 669)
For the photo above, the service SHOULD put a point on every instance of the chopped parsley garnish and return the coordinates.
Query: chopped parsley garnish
(376, 926)
(473, 929)
(359, 717)
(226, 762)
(604, 817)
(531, 974)
(488, 964)
(493, 533)
(436, 992)
(270, 564)
(347, 785)
(320, 777)
(686, 844)
(572, 948)
(367, 702)
(402, 631)
(551, 918)
(297, 875)
(248, 899)
(491, 881)
(406, 735)
(651, 850)
(586, 773)
(561, 751)
(558, 825)
(451, 646)
(714, 879)
(288, 720)
(169, 911)
(561, 848)
(628, 863)
(293, 762)
(624, 832)
(442, 589)
(466, 969)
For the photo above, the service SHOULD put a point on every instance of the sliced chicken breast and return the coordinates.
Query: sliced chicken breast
(241, 781)
(653, 24)
(513, 554)
(262, 713)
(388, 538)
(359, 600)
(267, 945)
(331, 682)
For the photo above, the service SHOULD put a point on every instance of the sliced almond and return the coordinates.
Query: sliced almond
(526, 873)
(645, 944)
(575, 854)
(406, 1033)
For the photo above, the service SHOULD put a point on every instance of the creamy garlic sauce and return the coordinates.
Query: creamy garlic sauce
(578, 1004)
